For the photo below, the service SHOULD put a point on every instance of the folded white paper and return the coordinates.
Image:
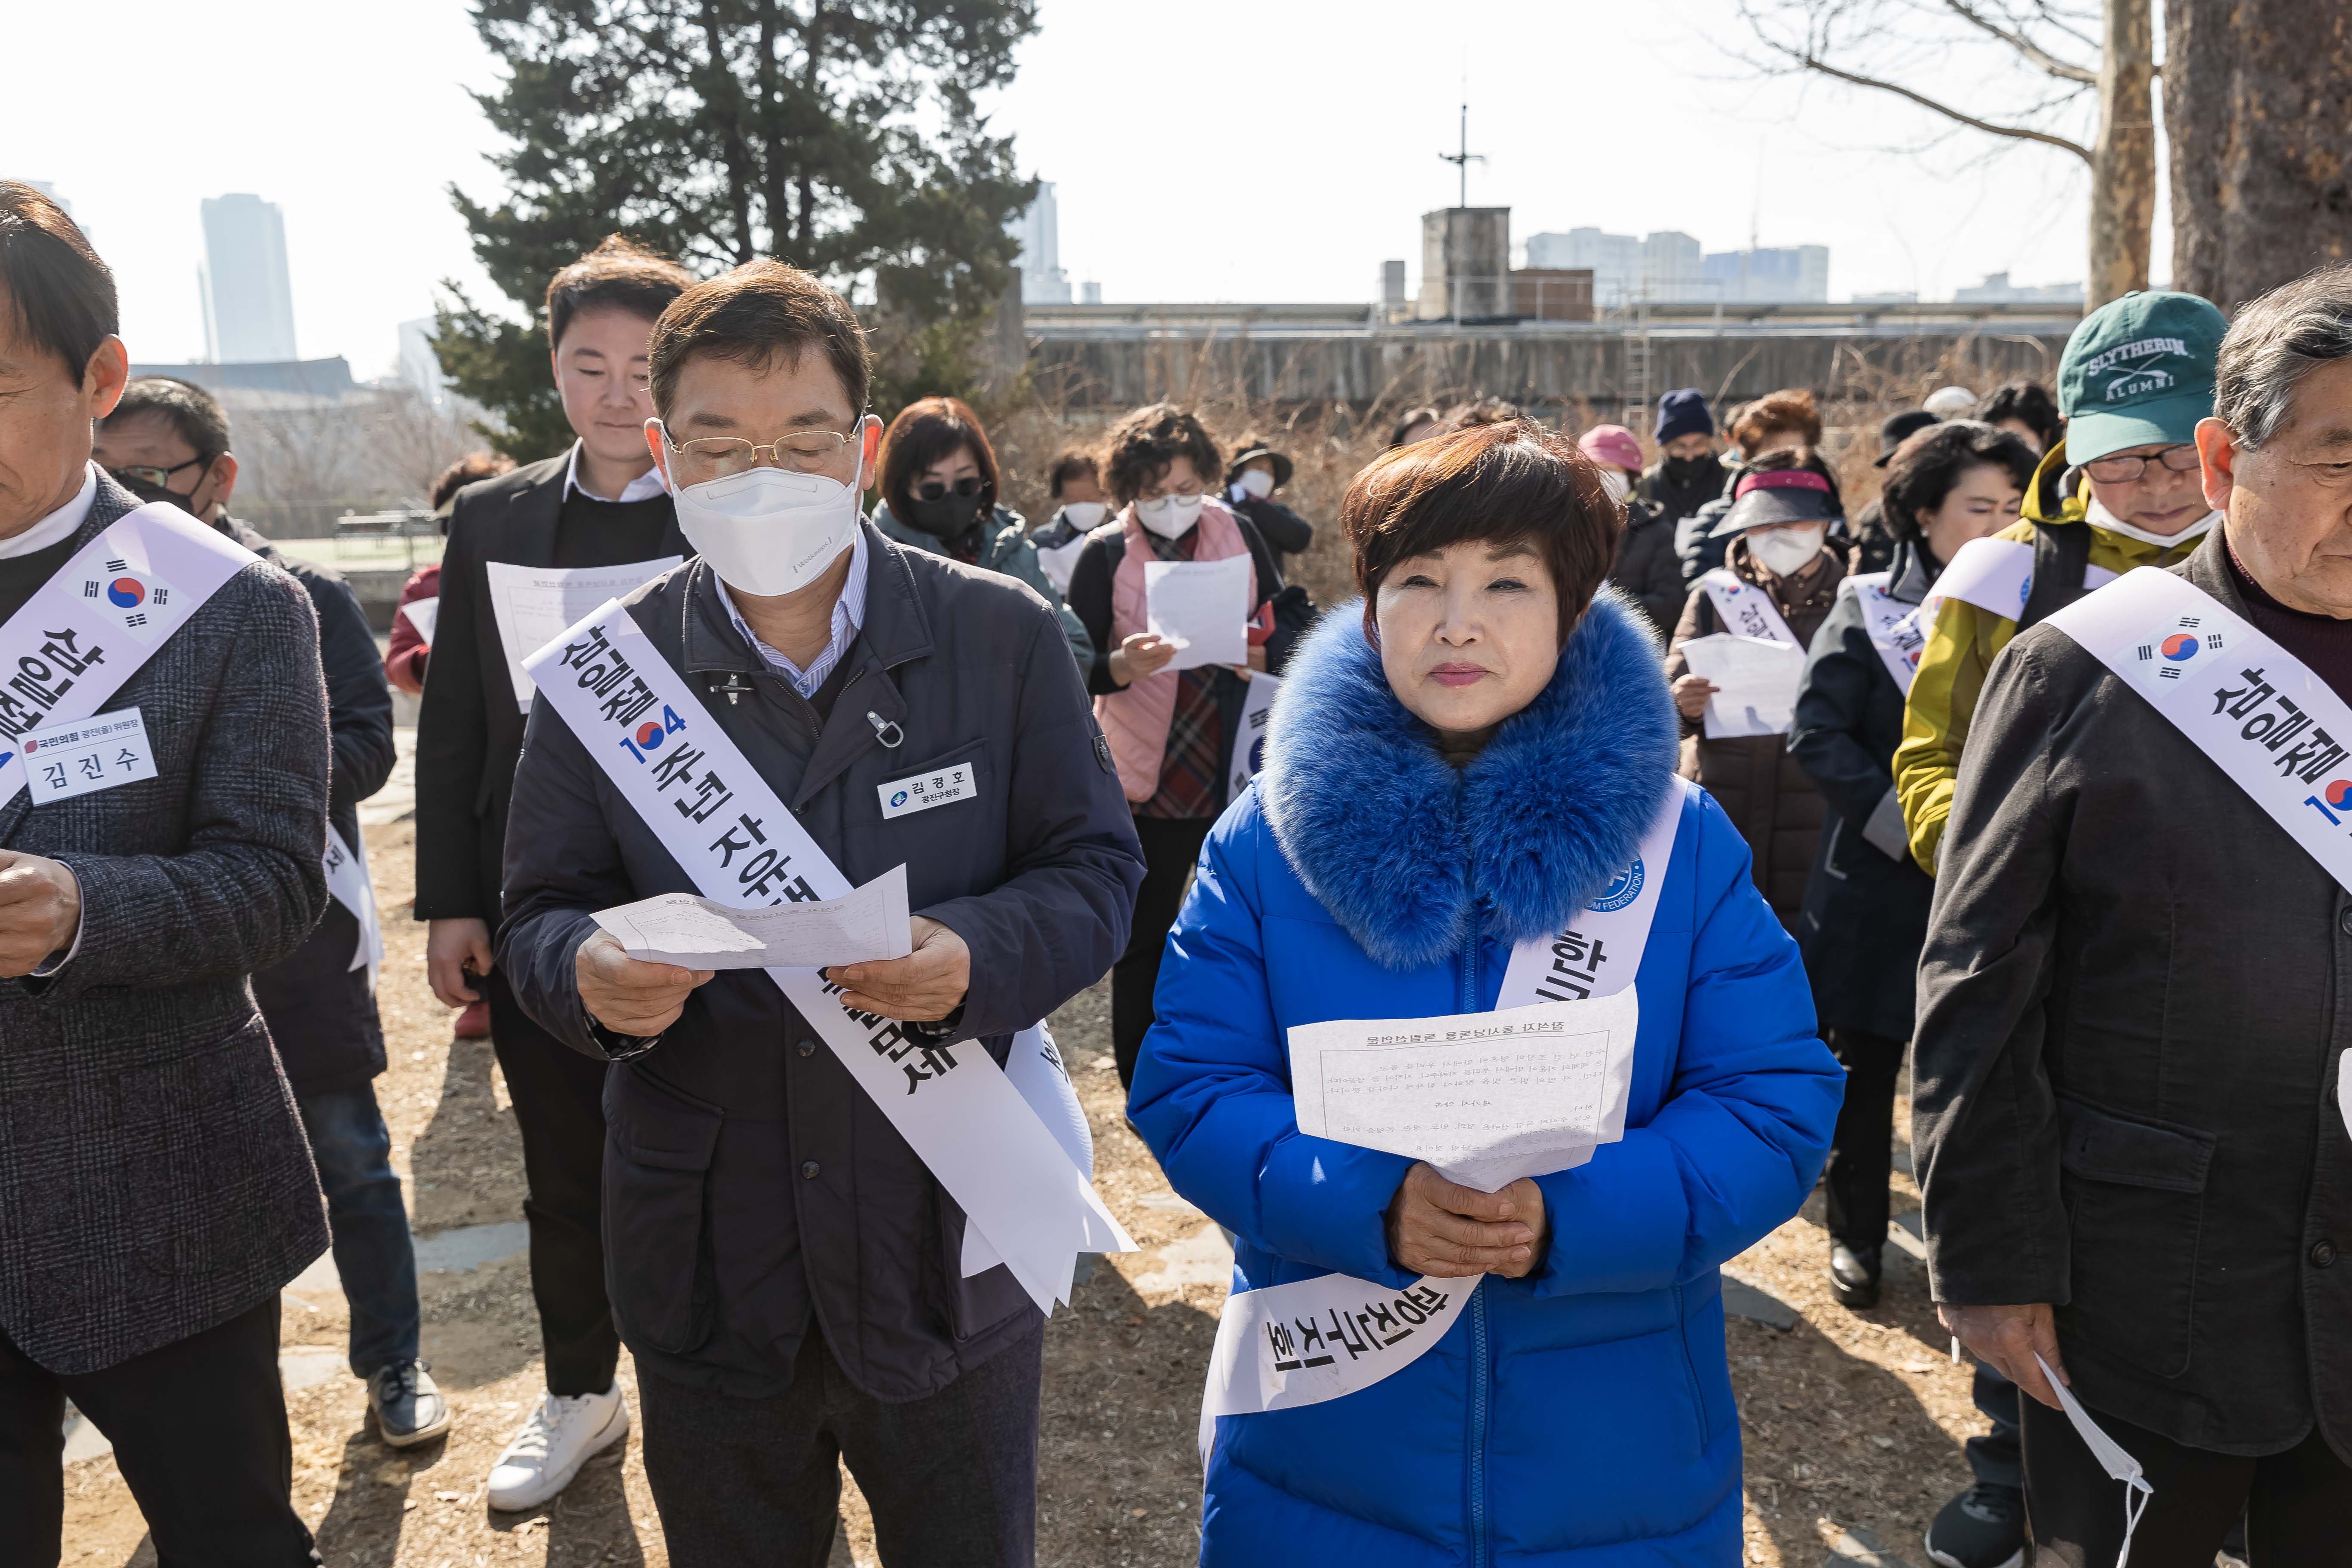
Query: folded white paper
(1202, 606)
(1757, 681)
(533, 606)
(698, 933)
(1486, 1098)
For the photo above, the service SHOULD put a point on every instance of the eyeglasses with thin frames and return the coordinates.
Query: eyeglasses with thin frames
(708, 457)
(2181, 459)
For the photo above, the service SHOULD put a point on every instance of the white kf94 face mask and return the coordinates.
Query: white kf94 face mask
(1086, 514)
(1168, 516)
(768, 532)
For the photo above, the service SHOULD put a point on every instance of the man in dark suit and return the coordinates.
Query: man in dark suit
(598, 505)
(169, 440)
(155, 1188)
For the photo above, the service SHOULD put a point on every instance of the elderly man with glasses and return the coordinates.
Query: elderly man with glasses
(2133, 1124)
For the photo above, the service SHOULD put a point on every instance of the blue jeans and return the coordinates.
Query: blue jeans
(370, 1223)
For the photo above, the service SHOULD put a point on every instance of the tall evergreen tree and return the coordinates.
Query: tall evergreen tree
(839, 135)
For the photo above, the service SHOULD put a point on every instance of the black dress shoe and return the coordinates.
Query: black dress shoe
(1854, 1275)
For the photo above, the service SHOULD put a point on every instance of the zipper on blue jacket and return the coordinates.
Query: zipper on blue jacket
(1478, 1347)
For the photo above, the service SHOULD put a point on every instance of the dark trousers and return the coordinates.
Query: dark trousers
(2297, 1505)
(1855, 1191)
(559, 1106)
(373, 1252)
(1861, 1150)
(1171, 845)
(951, 1478)
(199, 1434)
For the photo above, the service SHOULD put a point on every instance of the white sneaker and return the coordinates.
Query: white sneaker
(563, 1434)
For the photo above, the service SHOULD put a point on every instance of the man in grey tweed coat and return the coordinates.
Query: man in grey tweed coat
(156, 1186)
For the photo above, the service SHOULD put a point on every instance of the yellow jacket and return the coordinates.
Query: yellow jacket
(1962, 646)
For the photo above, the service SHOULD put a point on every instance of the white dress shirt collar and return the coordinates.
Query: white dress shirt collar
(60, 525)
(645, 487)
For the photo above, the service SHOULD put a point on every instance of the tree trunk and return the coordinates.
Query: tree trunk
(2258, 102)
(2123, 160)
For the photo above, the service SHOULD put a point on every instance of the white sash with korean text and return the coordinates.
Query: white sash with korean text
(1897, 629)
(1995, 575)
(999, 1140)
(2272, 727)
(100, 617)
(1284, 1346)
(1745, 609)
(348, 883)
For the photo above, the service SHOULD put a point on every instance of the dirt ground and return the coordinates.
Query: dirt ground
(1852, 1422)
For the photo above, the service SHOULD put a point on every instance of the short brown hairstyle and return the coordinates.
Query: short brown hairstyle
(471, 468)
(193, 414)
(1143, 445)
(756, 314)
(1924, 470)
(1073, 462)
(1791, 408)
(1508, 483)
(1480, 411)
(926, 431)
(58, 294)
(618, 274)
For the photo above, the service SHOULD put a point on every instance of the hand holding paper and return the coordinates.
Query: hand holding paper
(1202, 606)
(1756, 683)
(1486, 1098)
(698, 933)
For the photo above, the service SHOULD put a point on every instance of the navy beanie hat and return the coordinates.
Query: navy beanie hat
(1683, 411)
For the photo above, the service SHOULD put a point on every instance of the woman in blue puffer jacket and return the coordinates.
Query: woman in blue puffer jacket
(1462, 771)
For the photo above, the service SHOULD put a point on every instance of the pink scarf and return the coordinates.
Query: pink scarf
(1135, 718)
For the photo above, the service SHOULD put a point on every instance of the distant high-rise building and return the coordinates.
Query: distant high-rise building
(1043, 281)
(420, 367)
(1393, 295)
(1671, 262)
(1665, 264)
(1997, 289)
(248, 302)
(1089, 293)
(1796, 275)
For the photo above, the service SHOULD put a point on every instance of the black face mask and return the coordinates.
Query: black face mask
(949, 516)
(1690, 471)
(150, 493)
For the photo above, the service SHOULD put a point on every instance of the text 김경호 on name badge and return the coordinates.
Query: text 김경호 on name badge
(926, 790)
(100, 752)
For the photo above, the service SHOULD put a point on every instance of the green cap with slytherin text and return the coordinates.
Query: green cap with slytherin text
(2138, 371)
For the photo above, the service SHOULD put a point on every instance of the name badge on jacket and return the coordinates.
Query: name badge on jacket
(102, 750)
(903, 797)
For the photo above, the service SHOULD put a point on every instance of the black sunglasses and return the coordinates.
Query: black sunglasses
(934, 490)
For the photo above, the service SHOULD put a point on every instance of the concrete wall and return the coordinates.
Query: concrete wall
(1538, 369)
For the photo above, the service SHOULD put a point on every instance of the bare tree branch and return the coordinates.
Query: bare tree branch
(2063, 70)
(2020, 133)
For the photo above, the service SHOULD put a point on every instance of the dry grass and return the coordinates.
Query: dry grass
(1327, 443)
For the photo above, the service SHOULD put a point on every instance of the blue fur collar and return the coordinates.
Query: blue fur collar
(1410, 857)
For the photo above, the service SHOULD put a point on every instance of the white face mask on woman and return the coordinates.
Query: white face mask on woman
(767, 531)
(1785, 552)
(1617, 483)
(1170, 517)
(1253, 482)
(1085, 515)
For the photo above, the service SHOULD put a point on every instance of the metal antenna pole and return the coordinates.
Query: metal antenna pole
(1461, 161)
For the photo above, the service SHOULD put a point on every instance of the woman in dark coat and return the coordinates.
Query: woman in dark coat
(1778, 535)
(1866, 906)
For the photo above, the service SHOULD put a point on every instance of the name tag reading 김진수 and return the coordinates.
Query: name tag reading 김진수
(98, 753)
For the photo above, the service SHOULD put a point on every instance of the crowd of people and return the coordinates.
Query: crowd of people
(1526, 803)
